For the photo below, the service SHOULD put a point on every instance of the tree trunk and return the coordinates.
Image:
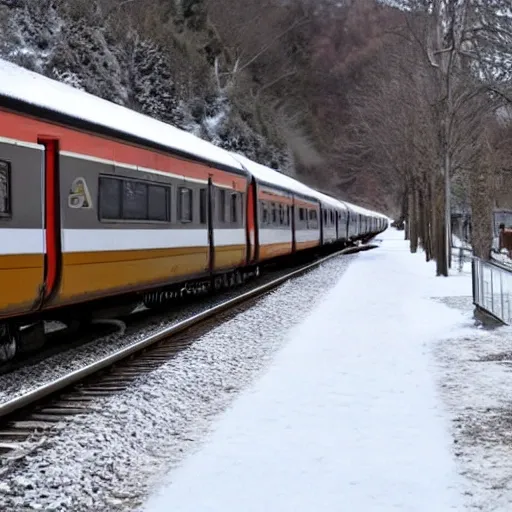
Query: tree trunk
(481, 208)
(438, 227)
(422, 232)
(405, 209)
(419, 206)
(413, 220)
(429, 219)
(440, 237)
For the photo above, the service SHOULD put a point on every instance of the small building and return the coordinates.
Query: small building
(501, 216)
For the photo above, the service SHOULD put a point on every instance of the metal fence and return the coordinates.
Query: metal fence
(492, 288)
(461, 255)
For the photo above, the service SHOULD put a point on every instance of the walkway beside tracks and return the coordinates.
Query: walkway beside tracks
(347, 415)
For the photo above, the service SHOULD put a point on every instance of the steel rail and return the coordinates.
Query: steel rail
(76, 376)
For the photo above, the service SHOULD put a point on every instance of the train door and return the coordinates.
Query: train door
(229, 238)
(252, 223)
(209, 219)
(52, 220)
(323, 217)
(294, 238)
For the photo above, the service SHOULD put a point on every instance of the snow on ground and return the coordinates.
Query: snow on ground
(107, 459)
(348, 415)
(476, 384)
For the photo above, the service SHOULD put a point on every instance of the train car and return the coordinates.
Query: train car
(334, 220)
(377, 223)
(353, 222)
(363, 223)
(287, 212)
(271, 214)
(98, 201)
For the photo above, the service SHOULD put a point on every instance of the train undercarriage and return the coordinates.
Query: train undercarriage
(27, 335)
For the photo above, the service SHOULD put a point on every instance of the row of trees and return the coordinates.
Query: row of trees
(432, 114)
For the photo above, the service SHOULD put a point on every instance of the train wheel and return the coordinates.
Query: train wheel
(218, 283)
(31, 338)
(9, 337)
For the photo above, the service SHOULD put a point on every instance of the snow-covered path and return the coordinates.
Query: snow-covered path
(347, 416)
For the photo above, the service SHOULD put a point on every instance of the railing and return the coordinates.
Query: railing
(461, 255)
(492, 289)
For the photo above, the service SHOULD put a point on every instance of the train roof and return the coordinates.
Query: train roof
(361, 210)
(274, 178)
(20, 85)
(271, 177)
(331, 201)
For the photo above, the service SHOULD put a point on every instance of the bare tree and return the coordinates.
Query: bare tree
(460, 40)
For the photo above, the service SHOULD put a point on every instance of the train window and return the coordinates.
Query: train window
(222, 206)
(234, 208)
(185, 204)
(202, 206)
(135, 200)
(274, 213)
(5, 189)
(281, 215)
(264, 213)
(302, 214)
(313, 218)
(158, 203)
(110, 198)
(123, 199)
(332, 217)
(325, 216)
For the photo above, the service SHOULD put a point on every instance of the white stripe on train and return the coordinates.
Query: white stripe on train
(21, 241)
(275, 236)
(31, 241)
(307, 235)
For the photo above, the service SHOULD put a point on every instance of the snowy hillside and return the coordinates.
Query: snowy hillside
(76, 42)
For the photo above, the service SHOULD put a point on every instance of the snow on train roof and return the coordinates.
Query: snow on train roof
(331, 201)
(272, 177)
(40, 91)
(361, 210)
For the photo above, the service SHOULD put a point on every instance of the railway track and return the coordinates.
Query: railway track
(31, 417)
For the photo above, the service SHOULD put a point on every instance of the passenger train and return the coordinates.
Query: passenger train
(101, 207)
